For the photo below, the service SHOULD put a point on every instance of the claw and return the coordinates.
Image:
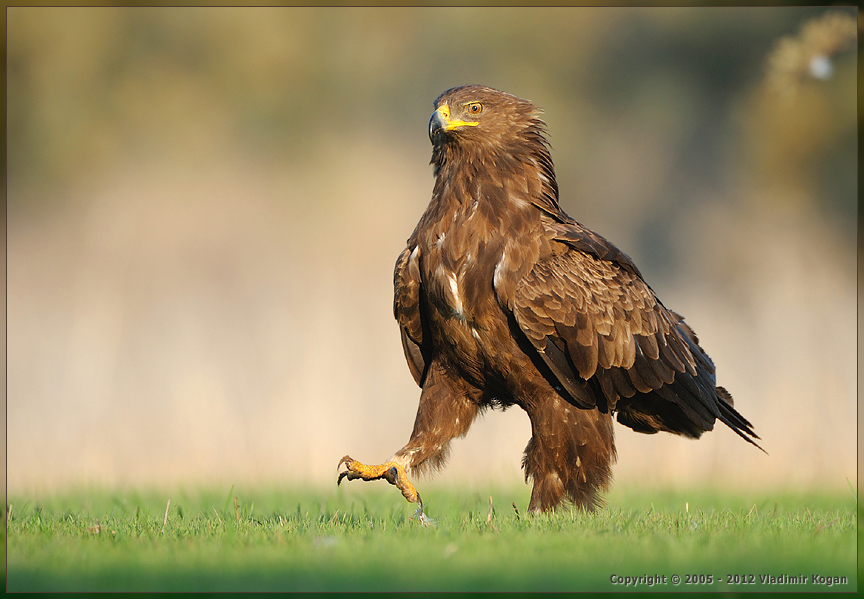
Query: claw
(345, 460)
(424, 519)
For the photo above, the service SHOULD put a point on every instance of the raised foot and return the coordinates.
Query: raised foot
(392, 472)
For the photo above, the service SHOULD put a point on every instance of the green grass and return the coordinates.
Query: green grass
(364, 539)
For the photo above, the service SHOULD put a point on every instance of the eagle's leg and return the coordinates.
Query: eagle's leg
(447, 409)
(569, 456)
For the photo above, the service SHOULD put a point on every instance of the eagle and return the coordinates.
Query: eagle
(503, 299)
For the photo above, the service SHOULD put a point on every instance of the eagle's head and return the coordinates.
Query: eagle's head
(476, 128)
(474, 114)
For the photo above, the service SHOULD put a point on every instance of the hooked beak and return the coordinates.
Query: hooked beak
(436, 125)
(441, 123)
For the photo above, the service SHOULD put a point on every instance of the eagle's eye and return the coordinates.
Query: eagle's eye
(475, 108)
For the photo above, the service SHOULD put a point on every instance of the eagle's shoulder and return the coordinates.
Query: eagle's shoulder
(567, 231)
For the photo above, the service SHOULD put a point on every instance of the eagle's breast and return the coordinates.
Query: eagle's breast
(478, 240)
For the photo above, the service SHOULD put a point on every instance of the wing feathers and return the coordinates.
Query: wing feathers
(649, 378)
(586, 359)
(648, 345)
(591, 315)
(555, 357)
(406, 308)
(622, 382)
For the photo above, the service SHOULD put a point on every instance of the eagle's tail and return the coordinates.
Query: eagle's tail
(731, 418)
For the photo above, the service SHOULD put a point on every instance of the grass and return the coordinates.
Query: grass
(364, 539)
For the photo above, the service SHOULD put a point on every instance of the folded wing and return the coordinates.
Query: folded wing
(610, 343)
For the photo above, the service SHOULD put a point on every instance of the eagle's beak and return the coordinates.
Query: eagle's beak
(441, 122)
(437, 123)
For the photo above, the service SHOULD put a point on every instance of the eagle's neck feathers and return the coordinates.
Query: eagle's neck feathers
(519, 163)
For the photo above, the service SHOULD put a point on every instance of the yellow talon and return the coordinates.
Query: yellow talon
(392, 472)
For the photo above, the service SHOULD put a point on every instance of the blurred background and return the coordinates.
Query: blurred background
(205, 206)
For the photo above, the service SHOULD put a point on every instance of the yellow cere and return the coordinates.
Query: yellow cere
(444, 111)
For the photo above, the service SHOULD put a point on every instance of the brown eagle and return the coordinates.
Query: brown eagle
(504, 299)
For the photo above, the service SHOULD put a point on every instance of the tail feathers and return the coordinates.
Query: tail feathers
(731, 418)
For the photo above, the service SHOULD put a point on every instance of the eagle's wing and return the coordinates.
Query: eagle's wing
(604, 335)
(407, 307)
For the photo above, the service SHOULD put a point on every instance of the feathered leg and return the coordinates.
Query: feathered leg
(569, 456)
(447, 408)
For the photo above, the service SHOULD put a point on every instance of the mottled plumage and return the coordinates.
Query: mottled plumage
(502, 299)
